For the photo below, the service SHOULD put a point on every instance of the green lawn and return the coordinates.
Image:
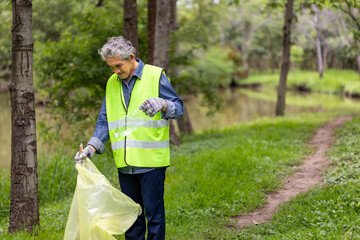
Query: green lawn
(331, 212)
(333, 81)
(215, 175)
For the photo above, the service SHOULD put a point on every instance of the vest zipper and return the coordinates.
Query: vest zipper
(126, 111)
(131, 170)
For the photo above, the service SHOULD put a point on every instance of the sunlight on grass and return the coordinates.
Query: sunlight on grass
(332, 212)
(214, 175)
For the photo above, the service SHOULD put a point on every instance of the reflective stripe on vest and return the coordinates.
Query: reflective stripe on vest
(140, 144)
(138, 123)
(148, 145)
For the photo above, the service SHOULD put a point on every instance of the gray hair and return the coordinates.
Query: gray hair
(117, 47)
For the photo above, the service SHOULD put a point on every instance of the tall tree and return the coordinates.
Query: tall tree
(161, 46)
(285, 63)
(184, 123)
(130, 23)
(151, 23)
(24, 207)
(162, 34)
(244, 22)
(318, 40)
(352, 9)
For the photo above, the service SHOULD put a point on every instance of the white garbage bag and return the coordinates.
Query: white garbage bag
(98, 210)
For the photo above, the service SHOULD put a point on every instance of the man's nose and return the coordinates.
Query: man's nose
(117, 70)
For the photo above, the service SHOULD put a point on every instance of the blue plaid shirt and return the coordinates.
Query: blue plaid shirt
(174, 110)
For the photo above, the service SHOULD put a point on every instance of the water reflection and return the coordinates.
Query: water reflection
(243, 105)
(240, 105)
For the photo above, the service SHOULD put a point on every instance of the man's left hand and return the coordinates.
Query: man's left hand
(152, 106)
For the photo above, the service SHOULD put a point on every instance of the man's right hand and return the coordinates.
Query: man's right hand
(87, 152)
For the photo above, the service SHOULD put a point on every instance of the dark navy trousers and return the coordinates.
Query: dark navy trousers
(146, 189)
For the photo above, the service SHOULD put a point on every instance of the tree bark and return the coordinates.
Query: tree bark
(184, 123)
(324, 52)
(357, 56)
(161, 47)
(24, 206)
(162, 34)
(151, 30)
(174, 139)
(318, 41)
(285, 64)
(130, 24)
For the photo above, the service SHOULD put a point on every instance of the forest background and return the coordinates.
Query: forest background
(214, 45)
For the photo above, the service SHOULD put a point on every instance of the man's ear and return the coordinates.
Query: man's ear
(132, 57)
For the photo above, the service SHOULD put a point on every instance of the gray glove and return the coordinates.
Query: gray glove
(87, 152)
(152, 106)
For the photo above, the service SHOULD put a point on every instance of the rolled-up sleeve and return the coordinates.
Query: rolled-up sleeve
(174, 103)
(101, 134)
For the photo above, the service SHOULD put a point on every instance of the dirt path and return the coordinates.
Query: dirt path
(307, 176)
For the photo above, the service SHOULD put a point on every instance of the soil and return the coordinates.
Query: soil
(308, 175)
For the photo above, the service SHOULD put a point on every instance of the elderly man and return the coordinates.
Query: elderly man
(142, 157)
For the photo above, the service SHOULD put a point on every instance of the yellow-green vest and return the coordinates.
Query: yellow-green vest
(148, 145)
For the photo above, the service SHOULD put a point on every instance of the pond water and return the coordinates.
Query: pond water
(239, 105)
(243, 105)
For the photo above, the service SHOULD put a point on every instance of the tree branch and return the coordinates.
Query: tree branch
(349, 12)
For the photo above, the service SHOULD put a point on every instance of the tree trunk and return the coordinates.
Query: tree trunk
(100, 3)
(161, 47)
(184, 123)
(324, 52)
(151, 30)
(285, 64)
(24, 207)
(245, 66)
(130, 24)
(174, 139)
(244, 59)
(162, 34)
(318, 41)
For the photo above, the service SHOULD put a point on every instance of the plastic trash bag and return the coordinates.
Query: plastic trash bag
(98, 210)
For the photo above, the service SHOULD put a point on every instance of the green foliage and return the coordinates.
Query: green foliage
(196, 61)
(51, 18)
(5, 33)
(210, 70)
(71, 75)
(296, 55)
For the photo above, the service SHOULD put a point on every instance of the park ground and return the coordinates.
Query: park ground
(221, 174)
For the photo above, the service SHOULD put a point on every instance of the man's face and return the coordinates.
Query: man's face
(123, 68)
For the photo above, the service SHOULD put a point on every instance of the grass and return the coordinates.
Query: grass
(333, 81)
(214, 175)
(331, 212)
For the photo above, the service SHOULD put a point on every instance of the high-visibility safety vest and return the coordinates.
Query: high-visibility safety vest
(148, 146)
